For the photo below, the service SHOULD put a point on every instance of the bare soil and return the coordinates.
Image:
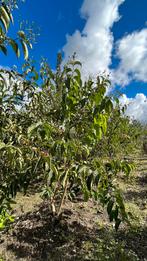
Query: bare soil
(82, 232)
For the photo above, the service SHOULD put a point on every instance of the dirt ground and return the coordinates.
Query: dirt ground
(82, 232)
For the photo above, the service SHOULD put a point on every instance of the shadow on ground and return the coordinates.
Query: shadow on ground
(40, 236)
(142, 180)
(136, 195)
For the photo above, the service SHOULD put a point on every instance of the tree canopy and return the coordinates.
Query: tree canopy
(59, 128)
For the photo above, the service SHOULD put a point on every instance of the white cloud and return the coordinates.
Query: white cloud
(132, 52)
(136, 107)
(94, 44)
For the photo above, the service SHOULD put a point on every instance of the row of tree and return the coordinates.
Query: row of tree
(66, 131)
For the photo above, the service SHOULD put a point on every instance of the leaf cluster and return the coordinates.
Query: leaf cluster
(6, 19)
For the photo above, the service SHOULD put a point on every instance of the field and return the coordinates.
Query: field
(62, 144)
(83, 231)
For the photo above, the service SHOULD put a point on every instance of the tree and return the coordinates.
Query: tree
(123, 136)
(9, 94)
(52, 131)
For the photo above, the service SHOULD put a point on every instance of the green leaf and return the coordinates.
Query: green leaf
(89, 182)
(2, 226)
(4, 23)
(8, 12)
(110, 206)
(15, 47)
(3, 49)
(21, 35)
(25, 49)
(86, 194)
(76, 63)
(54, 169)
(117, 223)
(4, 17)
(115, 213)
(34, 127)
(65, 178)
(2, 145)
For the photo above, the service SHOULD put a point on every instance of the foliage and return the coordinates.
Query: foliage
(53, 129)
(6, 19)
(122, 137)
(54, 133)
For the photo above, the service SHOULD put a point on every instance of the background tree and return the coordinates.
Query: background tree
(123, 136)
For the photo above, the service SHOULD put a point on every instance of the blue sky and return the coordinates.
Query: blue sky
(55, 19)
(107, 35)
